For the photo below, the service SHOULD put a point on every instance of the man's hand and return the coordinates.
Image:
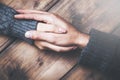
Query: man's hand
(54, 33)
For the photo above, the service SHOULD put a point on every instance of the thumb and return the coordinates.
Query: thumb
(41, 36)
(32, 34)
(36, 35)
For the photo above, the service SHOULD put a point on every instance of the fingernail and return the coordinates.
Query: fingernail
(61, 30)
(28, 34)
(14, 15)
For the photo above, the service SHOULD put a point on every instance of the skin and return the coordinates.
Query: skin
(53, 32)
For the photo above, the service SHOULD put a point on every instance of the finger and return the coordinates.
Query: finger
(54, 47)
(41, 47)
(42, 27)
(31, 11)
(48, 37)
(36, 35)
(39, 17)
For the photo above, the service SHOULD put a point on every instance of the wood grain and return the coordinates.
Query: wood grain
(30, 4)
(22, 58)
(102, 15)
(37, 65)
(4, 42)
(82, 73)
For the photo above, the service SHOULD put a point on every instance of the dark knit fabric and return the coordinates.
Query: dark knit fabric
(14, 27)
(103, 54)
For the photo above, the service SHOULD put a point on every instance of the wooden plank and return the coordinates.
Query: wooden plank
(37, 65)
(81, 73)
(86, 14)
(54, 65)
(24, 4)
(4, 42)
(32, 4)
(7, 2)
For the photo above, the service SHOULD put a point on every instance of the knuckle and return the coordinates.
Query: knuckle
(35, 37)
(53, 40)
(40, 45)
(41, 48)
(61, 50)
(53, 28)
(25, 16)
(35, 17)
(36, 43)
(53, 15)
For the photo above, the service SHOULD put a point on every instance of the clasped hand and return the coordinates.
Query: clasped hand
(53, 32)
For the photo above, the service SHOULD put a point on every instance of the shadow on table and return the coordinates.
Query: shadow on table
(12, 73)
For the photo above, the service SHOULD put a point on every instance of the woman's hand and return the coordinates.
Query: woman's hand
(54, 33)
(46, 21)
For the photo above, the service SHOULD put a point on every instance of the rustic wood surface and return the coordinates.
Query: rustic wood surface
(21, 61)
(102, 15)
(4, 42)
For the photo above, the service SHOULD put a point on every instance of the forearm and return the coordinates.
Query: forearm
(14, 27)
(102, 53)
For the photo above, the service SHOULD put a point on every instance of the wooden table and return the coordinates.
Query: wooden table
(21, 61)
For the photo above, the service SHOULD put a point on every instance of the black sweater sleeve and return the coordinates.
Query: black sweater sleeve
(13, 27)
(102, 53)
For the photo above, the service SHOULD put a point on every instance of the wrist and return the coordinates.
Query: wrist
(82, 40)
